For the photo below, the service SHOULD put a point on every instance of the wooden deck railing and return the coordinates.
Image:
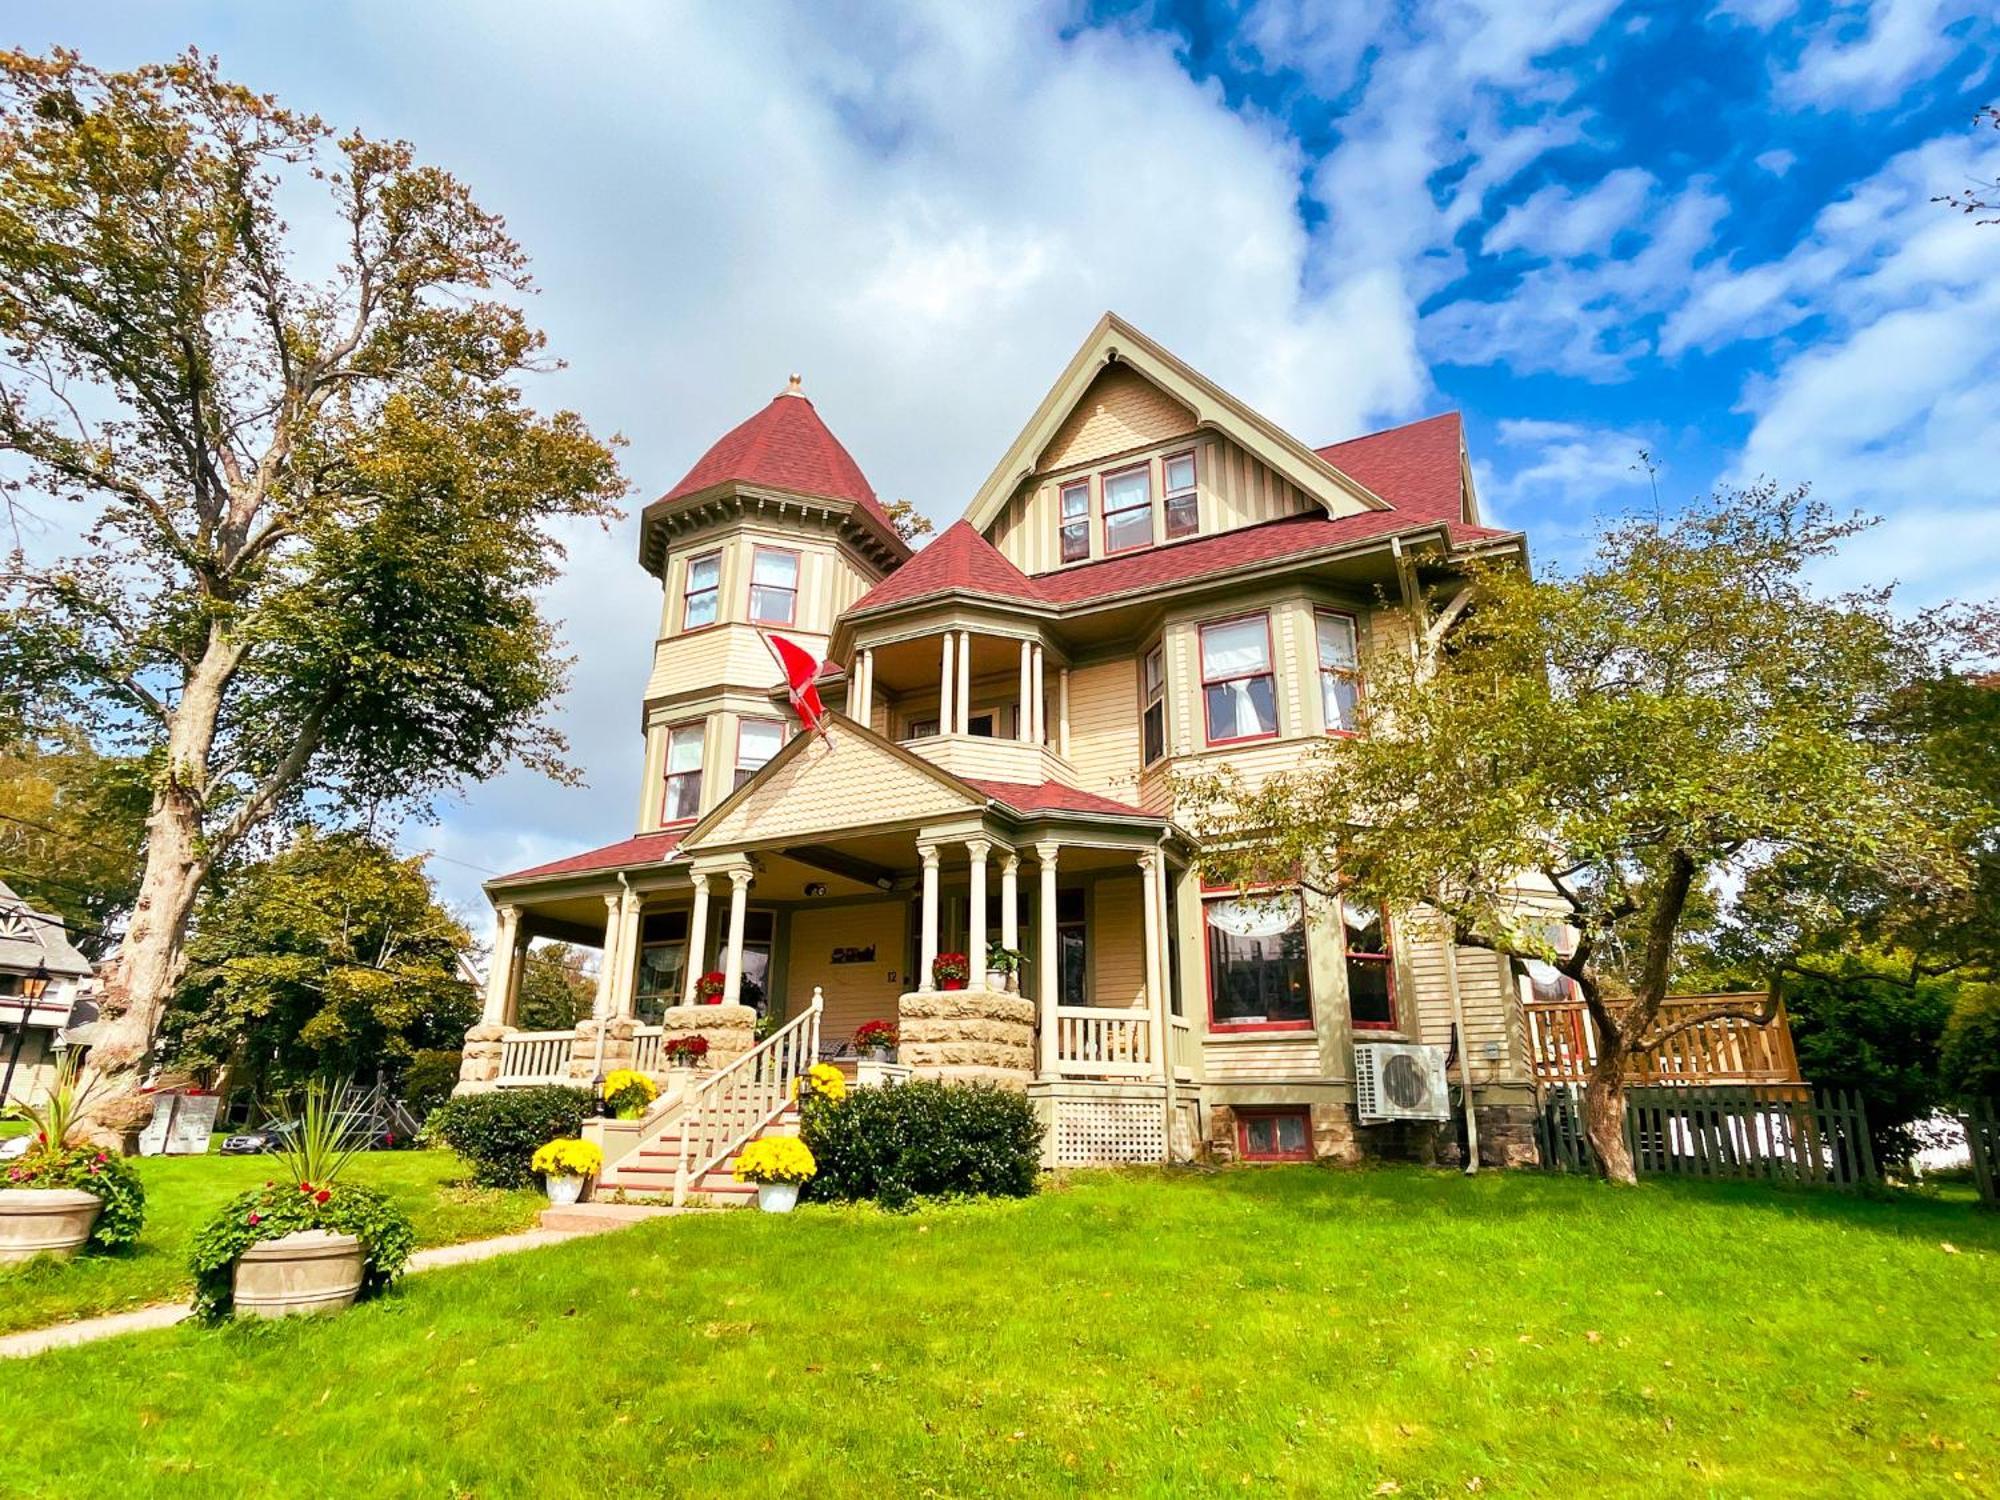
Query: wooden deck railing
(1562, 1045)
(743, 1098)
(529, 1057)
(1102, 1041)
(646, 1041)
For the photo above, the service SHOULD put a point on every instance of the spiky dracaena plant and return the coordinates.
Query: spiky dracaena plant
(327, 1136)
(56, 1114)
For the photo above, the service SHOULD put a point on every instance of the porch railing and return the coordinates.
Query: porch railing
(1186, 1048)
(1102, 1041)
(1562, 1045)
(740, 1100)
(646, 1041)
(529, 1057)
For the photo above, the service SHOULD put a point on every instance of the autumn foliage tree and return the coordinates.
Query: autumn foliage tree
(1608, 751)
(316, 505)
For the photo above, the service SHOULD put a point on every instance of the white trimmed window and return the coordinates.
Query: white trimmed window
(1128, 509)
(757, 740)
(701, 591)
(774, 586)
(1076, 521)
(683, 799)
(1153, 705)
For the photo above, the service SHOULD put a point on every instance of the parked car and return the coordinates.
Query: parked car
(270, 1136)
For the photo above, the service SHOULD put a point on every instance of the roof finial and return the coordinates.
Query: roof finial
(794, 386)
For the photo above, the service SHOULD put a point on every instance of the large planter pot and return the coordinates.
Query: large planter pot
(563, 1191)
(777, 1197)
(996, 981)
(951, 984)
(313, 1271)
(45, 1221)
(881, 1054)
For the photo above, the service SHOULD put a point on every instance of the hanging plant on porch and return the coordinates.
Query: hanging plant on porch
(949, 971)
(627, 1093)
(708, 989)
(686, 1051)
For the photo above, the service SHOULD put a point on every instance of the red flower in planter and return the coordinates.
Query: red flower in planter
(305, 1187)
(708, 989)
(949, 971)
(256, 1219)
(322, 1195)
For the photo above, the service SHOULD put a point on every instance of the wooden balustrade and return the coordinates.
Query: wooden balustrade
(528, 1057)
(1562, 1044)
(1101, 1041)
(646, 1042)
(1186, 1048)
(740, 1100)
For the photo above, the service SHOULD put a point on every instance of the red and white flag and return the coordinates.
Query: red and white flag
(801, 669)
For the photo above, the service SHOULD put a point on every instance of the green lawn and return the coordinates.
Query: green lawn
(182, 1192)
(1287, 1330)
(12, 1127)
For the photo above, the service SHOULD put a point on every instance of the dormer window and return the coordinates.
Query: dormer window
(702, 590)
(1183, 506)
(1076, 522)
(1128, 509)
(774, 586)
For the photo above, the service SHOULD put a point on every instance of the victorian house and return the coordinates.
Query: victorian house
(1155, 576)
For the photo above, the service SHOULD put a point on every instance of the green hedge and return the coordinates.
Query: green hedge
(429, 1080)
(497, 1132)
(921, 1140)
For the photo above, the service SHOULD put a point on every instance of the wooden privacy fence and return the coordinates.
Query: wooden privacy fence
(1768, 1134)
(1982, 1138)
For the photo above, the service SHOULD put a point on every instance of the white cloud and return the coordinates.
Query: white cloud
(1563, 474)
(1777, 161)
(1561, 223)
(1865, 54)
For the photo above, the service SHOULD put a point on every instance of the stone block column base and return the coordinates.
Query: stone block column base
(731, 1031)
(968, 1036)
(479, 1064)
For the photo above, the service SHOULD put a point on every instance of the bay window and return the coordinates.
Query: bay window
(1153, 705)
(1076, 521)
(1257, 973)
(774, 586)
(683, 800)
(701, 590)
(1183, 506)
(1371, 980)
(1128, 509)
(757, 740)
(1239, 692)
(1339, 671)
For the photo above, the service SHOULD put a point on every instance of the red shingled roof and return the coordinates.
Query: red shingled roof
(1414, 467)
(1052, 796)
(787, 446)
(646, 849)
(961, 560)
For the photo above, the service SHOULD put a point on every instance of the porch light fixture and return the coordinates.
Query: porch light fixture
(815, 887)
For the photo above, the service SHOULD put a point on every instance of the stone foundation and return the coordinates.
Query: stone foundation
(731, 1031)
(1506, 1137)
(601, 1047)
(968, 1036)
(479, 1063)
(1334, 1133)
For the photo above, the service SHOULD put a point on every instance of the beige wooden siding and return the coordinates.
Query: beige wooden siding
(725, 656)
(854, 992)
(1121, 411)
(1118, 941)
(1287, 1059)
(1104, 727)
(830, 578)
(1485, 988)
(1240, 490)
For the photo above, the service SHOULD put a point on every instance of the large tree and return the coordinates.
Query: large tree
(333, 958)
(318, 503)
(1605, 752)
(72, 822)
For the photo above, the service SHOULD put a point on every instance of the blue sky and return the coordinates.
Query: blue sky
(1705, 230)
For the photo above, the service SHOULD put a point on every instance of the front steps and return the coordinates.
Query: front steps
(595, 1217)
(650, 1170)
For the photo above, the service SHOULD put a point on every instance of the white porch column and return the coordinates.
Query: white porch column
(964, 682)
(607, 963)
(1024, 718)
(947, 680)
(1010, 901)
(1038, 688)
(732, 968)
(929, 943)
(1047, 965)
(862, 709)
(1062, 712)
(697, 939)
(504, 967)
(625, 980)
(1153, 871)
(975, 914)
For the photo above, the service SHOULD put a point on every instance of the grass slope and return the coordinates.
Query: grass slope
(183, 1192)
(1292, 1330)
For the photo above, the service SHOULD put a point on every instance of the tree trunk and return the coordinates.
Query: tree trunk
(1604, 1113)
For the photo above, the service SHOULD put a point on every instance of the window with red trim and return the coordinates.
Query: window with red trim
(1128, 509)
(774, 586)
(1183, 505)
(1239, 690)
(1076, 521)
(1339, 671)
(1153, 705)
(1257, 972)
(1274, 1134)
(683, 799)
(1371, 974)
(701, 591)
(757, 740)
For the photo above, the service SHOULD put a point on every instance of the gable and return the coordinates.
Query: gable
(858, 782)
(1121, 410)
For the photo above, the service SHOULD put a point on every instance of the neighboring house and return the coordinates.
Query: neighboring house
(41, 980)
(1155, 576)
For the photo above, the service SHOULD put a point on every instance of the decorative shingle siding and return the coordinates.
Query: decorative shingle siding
(1121, 411)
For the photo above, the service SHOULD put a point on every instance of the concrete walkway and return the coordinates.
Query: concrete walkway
(166, 1314)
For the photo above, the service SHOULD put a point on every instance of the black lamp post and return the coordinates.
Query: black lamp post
(28, 996)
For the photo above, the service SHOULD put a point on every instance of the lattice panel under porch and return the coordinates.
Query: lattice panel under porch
(1095, 1133)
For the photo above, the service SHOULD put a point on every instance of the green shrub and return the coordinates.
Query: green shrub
(498, 1132)
(922, 1139)
(285, 1207)
(429, 1080)
(1971, 1060)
